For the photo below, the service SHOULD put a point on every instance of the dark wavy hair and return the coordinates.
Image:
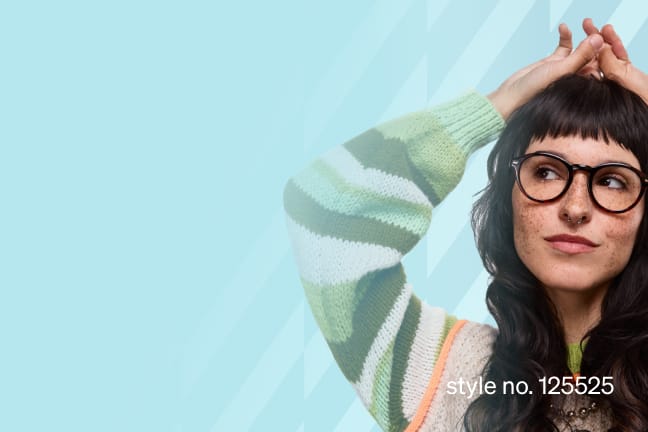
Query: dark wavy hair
(530, 343)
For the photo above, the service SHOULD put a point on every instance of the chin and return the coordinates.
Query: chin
(566, 286)
(571, 280)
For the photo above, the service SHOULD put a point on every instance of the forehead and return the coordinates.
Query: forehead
(587, 151)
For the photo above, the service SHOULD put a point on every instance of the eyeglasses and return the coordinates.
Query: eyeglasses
(615, 187)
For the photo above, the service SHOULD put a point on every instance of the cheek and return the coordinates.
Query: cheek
(621, 235)
(527, 224)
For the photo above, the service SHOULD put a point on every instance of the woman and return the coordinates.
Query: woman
(563, 259)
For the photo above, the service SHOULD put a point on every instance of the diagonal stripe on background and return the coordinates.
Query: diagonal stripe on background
(317, 360)
(557, 9)
(435, 9)
(348, 68)
(467, 307)
(264, 257)
(452, 215)
(262, 382)
(355, 419)
(628, 18)
(412, 93)
(477, 57)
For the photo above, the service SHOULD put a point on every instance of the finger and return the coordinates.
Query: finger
(565, 46)
(589, 27)
(611, 37)
(623, 73)
(583, 54)
(611, 65)
(532, 66)
(563, 49)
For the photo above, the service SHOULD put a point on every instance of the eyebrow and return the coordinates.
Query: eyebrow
(562, 155)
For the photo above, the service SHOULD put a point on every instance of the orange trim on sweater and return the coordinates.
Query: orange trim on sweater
(435, 379)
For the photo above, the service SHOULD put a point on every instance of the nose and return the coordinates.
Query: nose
(576, 205)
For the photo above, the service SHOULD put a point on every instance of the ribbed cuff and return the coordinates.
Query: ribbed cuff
(471, 120)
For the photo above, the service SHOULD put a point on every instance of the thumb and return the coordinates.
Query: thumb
(586, 51)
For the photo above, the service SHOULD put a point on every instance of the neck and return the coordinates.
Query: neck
(579, 311)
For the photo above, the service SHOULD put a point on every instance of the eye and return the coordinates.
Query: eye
(546, 173)
(612, 182)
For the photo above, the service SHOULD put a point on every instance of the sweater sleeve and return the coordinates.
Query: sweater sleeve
(352, 215)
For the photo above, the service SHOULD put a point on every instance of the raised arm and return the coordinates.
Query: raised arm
(355, 212)
(352, 216)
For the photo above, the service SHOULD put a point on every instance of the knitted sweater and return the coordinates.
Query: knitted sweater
(352, 215)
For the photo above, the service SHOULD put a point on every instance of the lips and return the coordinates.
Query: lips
(571, 244)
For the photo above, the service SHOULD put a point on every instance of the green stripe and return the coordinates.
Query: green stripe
(390, 156)
(333, 307)
(380, 390)
(376, 295)
(422, 145)
(468, 122)
(441, 162)
(307, 212)
(333, 192)
(471, 120)
(402, 350)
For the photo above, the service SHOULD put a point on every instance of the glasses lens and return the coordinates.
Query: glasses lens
(616, 188)
(543, 177)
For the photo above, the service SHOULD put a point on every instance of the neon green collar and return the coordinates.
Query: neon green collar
(574, 357)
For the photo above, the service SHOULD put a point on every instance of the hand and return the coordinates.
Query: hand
(592, 68)
(525, 83)
(615, 64)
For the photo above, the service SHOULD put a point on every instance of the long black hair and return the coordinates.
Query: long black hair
(530, 343)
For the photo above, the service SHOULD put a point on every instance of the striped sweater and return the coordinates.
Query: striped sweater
(352, 215)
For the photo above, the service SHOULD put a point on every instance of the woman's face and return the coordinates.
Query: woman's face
(564, 263)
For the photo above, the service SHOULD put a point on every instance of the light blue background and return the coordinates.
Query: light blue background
(145, 275)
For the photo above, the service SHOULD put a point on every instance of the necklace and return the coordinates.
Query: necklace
(571, 415)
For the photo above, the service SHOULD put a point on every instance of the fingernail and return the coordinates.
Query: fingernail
(596, 41)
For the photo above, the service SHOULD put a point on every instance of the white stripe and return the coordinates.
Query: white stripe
(324, 260)
(389, 185)
(384, 338)
(420, 362)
